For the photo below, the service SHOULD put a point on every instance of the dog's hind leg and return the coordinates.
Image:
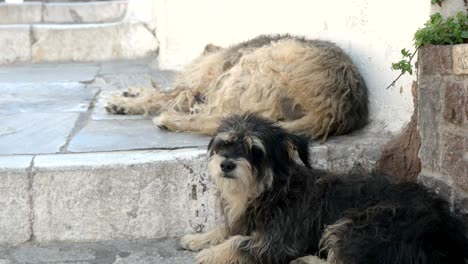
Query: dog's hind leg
(150, 101)
(135, 101)
(309, 260)
(197, 242)
(314, 125)
(180, 122)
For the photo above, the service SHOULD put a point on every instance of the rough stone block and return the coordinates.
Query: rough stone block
(460, 59)
(435, 59)
(466, 103)
(436, 182)
(454, 103)
(94, 12)
(122, 195)
(15, 213)
(454, 162)
(429, 121)
(26, 13)
(92, 42)
(15, 44)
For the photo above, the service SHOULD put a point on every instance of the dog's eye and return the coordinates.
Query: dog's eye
(257, 153)
(226, 143)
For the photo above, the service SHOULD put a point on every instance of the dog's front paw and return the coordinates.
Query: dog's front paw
(207, 256)
(163, 121)
(115, 109)
(194, 242)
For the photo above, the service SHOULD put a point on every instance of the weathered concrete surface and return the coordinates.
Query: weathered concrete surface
(46, 73)
(40, 98)
(26, 13)
(15, 201)
(35, 133)
(160, 251)
(15, 44)
(121, 195)
(82, 12)
(130, 134)
(94, 42)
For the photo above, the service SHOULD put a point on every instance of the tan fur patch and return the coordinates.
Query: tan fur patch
(224, 253)
(331, 237)
(197, 242)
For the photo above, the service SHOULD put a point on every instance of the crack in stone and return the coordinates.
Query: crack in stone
(30, 174)
(81, 122)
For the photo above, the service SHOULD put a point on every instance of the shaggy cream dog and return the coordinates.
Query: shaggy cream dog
(311, 87)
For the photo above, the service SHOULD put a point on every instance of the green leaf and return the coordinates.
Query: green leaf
(464, 34)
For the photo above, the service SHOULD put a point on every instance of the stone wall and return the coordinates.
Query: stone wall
(443, 122)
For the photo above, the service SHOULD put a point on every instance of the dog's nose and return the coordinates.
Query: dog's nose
(227, 166)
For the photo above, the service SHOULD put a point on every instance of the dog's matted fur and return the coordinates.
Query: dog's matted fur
(310, 86)
(278, 210)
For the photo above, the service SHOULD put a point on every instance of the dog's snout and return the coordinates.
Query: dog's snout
(227, 166)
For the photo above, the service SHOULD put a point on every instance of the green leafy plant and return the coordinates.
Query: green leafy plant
(439, 2)
(437, 31)
(440, 31)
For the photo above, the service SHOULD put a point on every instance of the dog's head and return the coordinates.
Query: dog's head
(250, 153)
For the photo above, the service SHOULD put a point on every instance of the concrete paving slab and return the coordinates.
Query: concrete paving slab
(156, 251)
(35, 133)
(162, 251)
(59, 72)
(122, 81)
(83, 197)
(15, 215)
(109, 135)
(125, 67)
(45, 97)
(57, 252)
(164, 78)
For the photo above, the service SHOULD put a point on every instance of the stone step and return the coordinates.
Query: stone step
(75, 43)
(36, 12)
(156, 251)
(130, 194)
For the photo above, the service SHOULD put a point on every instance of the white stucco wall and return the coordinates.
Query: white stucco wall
(372, 31)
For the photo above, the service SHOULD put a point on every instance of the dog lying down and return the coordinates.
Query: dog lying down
(278, 210)
(310, 87)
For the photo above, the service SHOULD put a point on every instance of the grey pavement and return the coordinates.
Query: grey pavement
(59, 108)
(155, 251)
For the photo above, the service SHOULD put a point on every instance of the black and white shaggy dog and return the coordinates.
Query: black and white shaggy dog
(278, 210)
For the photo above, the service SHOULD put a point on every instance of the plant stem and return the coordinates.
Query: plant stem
(401, 74)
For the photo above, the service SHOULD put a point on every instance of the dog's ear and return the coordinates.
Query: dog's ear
(300, 144)
(210, 144)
